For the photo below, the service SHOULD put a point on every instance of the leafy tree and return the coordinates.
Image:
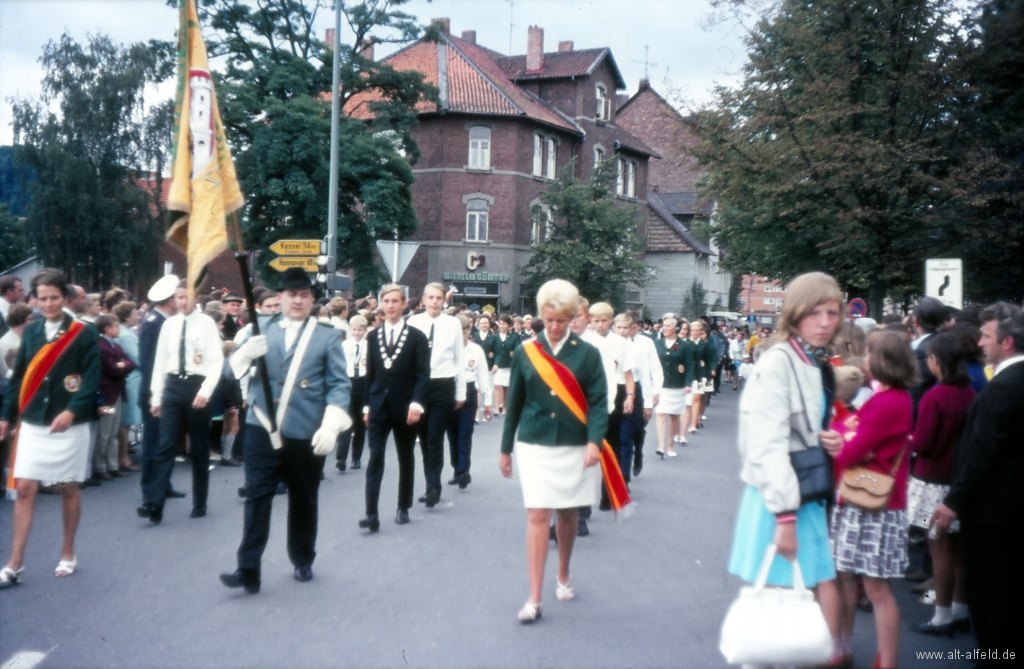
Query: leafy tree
(14, 248)
(94, 212)
(695, 303)
(274, 94)
(593, 242)
(837, 149)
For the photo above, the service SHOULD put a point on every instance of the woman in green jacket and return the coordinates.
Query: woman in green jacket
(53, 394)
(676, 354)
(555, 450)
(504, 345)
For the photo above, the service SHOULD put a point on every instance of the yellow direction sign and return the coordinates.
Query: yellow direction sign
(296, 247)
(305, 262)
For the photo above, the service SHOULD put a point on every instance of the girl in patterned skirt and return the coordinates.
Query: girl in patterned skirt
(873, 544)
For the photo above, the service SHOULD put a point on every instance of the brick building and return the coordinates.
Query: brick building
(678, 256)
(507, 128)
(762, 298)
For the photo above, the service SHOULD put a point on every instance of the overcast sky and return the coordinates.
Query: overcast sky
(690, 57)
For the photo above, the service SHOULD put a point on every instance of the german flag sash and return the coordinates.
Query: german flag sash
(563, 383)
(40, 366)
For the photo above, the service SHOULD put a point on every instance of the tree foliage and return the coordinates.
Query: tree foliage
(94, 210)
(594, 242)
(695, 303)
(846, 147)
(274, 94)
(14, 247)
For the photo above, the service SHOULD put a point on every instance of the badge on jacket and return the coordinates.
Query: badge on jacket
(72, 383)
(197, 359)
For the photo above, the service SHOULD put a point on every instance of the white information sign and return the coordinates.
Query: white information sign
(944, 279)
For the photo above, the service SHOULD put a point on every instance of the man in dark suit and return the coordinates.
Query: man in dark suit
(987, 494)
(161, 296)
(929, 315)
(398, 375)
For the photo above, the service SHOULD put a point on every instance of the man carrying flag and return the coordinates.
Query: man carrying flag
(557, 415)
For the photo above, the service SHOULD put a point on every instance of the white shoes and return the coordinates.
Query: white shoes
(564, 591)
(530, 613)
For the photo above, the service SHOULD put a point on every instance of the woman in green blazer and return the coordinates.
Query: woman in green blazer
(676, 354)
(58, 368)
(504, 345)
(555, 450)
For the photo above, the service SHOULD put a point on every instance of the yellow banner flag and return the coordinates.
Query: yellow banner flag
(204, 188)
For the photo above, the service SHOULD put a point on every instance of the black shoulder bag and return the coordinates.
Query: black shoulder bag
(813, 465)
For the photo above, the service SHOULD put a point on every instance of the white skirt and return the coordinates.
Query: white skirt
(698, 387)
(671, 401)
(502, 376)
(58, 458)
(553, 477)
(922, 500)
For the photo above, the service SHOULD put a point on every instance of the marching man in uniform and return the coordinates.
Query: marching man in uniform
(310, 386)
(186, 368)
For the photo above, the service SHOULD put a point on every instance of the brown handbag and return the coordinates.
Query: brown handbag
(869, 490)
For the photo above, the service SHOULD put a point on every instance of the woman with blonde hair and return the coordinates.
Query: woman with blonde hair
(784, 410)
(675, 352)
(557, 415)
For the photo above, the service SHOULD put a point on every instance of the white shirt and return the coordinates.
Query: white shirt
(736, 349)
(341, 324)
(646, 368)
(204, 354)
(475, 371)
(446, 355)
(395, 331)
(291, 330)
(10, 340)
(601, 344)
(5, 307)
(1006, 363)
(355, 354)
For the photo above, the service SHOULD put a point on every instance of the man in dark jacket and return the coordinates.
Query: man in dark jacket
(929, 315)
(986, 494)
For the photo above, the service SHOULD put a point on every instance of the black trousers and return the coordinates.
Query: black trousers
(355, 436)
(176, 416)
(382, 425)
(265, 467)
(150, 446)
(461, 426)
(994, 590)
(614, 435)
(632, 436)
(432, 427)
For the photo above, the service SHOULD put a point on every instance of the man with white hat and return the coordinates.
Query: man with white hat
(161, 296)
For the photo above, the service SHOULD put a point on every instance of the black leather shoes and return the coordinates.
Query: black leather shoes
(962, 625)
(154, 514)
(422, 499)
(637, 469)
(605, 505)
(243, 492)
(281, 488)
(934, 630)
(175, 494)
(582, 530)
(304, 573)
(231, 462)
(402, 517)
(454, 480)
(341, 466)
(433, 497)
(464, 480)
(357, 465)
(198, 512)
(370, 522)
(242, 578)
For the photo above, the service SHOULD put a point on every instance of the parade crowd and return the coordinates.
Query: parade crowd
(860, 441)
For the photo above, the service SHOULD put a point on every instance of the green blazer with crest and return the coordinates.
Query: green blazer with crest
(678, 364)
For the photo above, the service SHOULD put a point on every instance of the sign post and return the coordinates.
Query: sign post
(858, 308)
(943, 280)
(397, 256)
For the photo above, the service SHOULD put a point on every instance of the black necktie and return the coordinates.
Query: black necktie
(391, 342)
(431, 341)
(181, 351)
(356, 375)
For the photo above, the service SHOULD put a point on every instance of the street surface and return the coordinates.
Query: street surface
(442, 591)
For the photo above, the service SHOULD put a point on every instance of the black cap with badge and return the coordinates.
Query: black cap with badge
(295, 278)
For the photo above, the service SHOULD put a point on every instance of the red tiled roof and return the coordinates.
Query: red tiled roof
(561, 64)
(475, 84)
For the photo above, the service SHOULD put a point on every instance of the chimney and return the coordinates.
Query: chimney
(565, 46)
(644, 83)
(367, 50)
(535, 49)
(446, 25)
(469, 36)
(329, 38)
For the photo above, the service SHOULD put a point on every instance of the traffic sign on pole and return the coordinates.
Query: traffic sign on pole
(858, 308)
(296, 247)
(397, 256)
(307, 263)
(943, 279)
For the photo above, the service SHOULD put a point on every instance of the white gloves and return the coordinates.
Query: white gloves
(336, 421)
(241, 361)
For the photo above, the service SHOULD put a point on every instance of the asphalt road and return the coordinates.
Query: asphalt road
(442, 591)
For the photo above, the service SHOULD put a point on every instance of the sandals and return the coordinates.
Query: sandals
(529, 613)
(66, 567)
(10, 577)
(564, 591)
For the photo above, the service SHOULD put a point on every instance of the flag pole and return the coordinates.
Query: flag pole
(261, 362)
(332, 203)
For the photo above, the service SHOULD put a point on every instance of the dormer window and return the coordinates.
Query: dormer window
(603, 111)
(479, 148)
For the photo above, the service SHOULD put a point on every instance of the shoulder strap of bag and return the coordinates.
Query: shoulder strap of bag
(803, 404)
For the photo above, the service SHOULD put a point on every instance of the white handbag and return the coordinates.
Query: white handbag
(773, 625)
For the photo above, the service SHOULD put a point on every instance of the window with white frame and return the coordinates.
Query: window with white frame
(480, 147)
(541, 228)
(552, 162)
(598, 156)
(538, 155)
(603, 106)
(545, 156)
(476, 220)
(625, 177)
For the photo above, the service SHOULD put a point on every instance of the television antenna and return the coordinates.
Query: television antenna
(646, 61)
